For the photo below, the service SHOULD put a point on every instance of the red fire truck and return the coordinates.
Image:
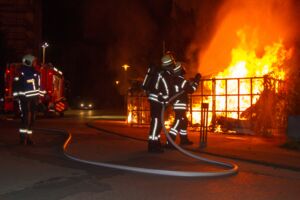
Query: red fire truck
(52, 81)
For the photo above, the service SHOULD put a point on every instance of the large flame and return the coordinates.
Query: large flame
(249, 41)
(246, 30)
(245, 61)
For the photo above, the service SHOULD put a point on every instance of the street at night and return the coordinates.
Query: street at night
(43, 172)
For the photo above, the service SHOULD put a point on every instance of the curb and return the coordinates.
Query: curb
(265, 163)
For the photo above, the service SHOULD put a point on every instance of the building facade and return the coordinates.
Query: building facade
(20, 27)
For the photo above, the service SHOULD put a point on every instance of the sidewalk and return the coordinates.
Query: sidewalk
(266, 151)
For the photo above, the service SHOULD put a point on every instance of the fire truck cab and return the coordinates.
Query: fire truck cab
(52, 81)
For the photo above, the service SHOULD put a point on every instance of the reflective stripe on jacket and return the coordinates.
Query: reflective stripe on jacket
(27, 83)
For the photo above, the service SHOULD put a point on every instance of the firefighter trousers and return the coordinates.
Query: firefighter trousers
(155, 126)
(180, 124)
(28, 107)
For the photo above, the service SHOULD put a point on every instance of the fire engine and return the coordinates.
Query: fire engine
(52, 81)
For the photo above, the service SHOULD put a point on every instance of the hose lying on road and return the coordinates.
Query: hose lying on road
(135, 169)
(233, 168)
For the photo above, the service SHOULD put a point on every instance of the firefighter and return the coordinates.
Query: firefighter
(158, 84)
(27, 91)
(180, 104)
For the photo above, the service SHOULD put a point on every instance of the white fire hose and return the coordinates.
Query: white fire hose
(233, 168)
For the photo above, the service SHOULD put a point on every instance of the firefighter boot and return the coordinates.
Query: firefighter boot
(158, 147)
(154, 146)
(29, 140)
(184, 140)
(168, 144)
(150, 145)
(22, 138)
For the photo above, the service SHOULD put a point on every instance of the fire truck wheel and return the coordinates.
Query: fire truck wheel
(61, 114)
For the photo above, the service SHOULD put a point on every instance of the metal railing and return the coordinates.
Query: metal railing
(228, 98)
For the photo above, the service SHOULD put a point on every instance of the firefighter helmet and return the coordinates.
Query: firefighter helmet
(167, 61)
(179, 69)
(28, 60)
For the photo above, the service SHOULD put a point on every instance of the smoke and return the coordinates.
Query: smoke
(201, 27)
(264, 21)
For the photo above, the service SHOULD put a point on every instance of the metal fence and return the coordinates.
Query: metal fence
(231, 101)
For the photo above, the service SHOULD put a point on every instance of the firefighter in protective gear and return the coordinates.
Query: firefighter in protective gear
(180, 104)
(27, 91)
(158, 94)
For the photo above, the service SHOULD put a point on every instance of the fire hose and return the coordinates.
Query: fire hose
(233, 168)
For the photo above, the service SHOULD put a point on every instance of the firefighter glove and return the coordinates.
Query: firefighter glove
(197, 77)
(161, 99)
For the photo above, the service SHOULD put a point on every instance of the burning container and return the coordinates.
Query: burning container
(238, 105)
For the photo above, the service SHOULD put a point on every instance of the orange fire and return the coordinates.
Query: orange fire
(249, 41)
(245, 63)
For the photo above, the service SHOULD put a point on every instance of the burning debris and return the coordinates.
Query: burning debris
(269, 111)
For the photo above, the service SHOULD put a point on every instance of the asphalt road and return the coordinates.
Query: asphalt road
(43, 172)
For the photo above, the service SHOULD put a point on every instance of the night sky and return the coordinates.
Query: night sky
(91, 40)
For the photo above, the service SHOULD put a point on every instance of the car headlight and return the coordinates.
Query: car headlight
(81, 105)
(90, 105)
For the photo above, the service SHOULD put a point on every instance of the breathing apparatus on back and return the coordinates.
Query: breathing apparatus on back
(150, 78)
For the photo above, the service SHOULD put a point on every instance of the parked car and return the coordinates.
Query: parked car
(84, 103)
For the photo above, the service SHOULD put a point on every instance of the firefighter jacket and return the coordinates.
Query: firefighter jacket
(27, 83)
(162, 87)
(180, 84)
